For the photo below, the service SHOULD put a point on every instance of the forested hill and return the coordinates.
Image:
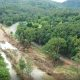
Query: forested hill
(37, 3)
(12, 11)
(72, 4)
(41, 3)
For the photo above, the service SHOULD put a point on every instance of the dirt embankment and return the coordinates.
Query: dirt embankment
(2, 36)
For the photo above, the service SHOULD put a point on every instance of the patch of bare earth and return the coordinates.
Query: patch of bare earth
(2, 36)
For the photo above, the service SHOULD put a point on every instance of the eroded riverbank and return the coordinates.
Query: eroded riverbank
(5, 46)
(38, 74)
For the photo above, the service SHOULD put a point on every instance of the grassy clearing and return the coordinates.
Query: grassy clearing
(70, 72)
(67, 70)
(46, 77)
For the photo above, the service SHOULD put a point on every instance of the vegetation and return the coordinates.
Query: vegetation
(25, 67)
(50, 25)
(26, 10)
(69, 71)
(4, 73)
(22, 64)
(54, 45)
(58, 35)
(28, 68)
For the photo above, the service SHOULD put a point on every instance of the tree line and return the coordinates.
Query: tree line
(58, 35)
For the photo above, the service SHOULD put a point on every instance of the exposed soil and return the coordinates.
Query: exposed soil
(2, 36)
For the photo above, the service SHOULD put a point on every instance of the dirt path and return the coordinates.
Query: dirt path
(67, 61)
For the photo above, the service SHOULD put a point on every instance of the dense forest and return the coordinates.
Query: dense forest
(57, 29)
(59, 34)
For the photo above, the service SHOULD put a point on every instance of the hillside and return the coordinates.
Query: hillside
(39, 40)
(72, 4)
(22, 10)
(12, 11)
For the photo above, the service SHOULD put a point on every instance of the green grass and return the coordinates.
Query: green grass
(4, 73)
(46, 77)
(68, 70)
